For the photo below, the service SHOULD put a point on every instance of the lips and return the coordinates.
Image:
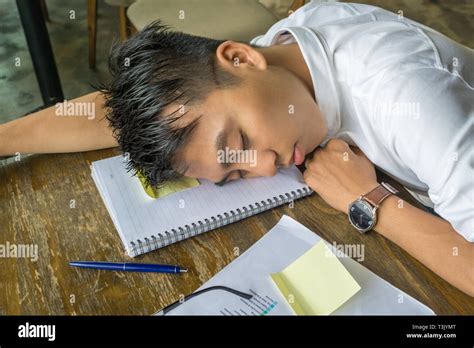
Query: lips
(298, 155)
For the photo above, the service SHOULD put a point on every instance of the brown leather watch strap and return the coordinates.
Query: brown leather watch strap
(378, 194)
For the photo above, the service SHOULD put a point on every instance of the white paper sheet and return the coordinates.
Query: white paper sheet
(283, 244)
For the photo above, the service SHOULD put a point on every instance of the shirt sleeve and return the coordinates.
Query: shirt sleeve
(427, 119)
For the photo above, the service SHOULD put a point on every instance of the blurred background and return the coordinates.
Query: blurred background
(71, 25)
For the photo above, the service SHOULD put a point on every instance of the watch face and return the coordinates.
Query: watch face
(361, 215)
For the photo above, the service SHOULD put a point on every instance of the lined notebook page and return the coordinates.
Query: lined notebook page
(138, 216)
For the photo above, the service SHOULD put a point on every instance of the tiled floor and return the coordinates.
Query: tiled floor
(19, 91)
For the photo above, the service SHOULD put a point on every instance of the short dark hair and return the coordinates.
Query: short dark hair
(153, 69)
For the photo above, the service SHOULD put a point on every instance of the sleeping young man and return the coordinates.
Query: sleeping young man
(361, 86)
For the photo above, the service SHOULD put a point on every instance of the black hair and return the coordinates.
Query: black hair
(156, 68)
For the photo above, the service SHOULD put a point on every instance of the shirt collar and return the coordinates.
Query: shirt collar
(320, 67)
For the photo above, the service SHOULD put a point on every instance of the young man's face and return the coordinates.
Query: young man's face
(270, 113)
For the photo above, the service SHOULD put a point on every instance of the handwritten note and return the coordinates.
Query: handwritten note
(316, 283)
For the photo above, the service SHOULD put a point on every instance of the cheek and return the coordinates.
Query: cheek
(272, 128)
(270, 118)
(275, 109)
(265, 119)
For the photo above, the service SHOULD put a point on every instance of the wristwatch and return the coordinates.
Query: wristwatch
(363, 211)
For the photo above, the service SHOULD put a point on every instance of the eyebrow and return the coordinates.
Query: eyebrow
(221, 144)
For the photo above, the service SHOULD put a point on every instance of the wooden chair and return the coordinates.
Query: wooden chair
(124, 24)
(239, 20)
(226, 19)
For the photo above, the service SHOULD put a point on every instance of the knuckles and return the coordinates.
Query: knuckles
(337, 144)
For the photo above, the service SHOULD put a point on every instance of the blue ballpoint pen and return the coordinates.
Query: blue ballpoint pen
(129, 267)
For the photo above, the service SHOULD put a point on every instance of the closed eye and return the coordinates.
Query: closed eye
(244, 141)
(242, 173)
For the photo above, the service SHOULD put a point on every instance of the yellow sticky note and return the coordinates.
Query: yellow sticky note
(316, 283)
(169, 187)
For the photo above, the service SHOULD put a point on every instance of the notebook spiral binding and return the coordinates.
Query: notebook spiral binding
(184, 232)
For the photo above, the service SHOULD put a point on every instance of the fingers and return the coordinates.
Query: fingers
(310, 180)
(333, 145)
(341, 146)
(336, 144)
(310, 163)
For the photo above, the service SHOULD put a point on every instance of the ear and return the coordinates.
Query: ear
(232, 55)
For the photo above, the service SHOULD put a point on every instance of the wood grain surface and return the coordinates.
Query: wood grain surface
(51, 201)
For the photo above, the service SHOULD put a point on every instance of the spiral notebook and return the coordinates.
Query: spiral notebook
(145, 224)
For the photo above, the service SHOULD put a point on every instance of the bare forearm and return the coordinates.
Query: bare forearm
(431, 240)
(50, 131)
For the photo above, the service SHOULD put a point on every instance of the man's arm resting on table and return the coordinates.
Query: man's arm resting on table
(430, 239)
(436, 146)
(46, 132)
(340, 174)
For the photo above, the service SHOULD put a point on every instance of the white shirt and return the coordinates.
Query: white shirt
(400, 91)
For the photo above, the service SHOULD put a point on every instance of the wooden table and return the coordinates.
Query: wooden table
(51, 201)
